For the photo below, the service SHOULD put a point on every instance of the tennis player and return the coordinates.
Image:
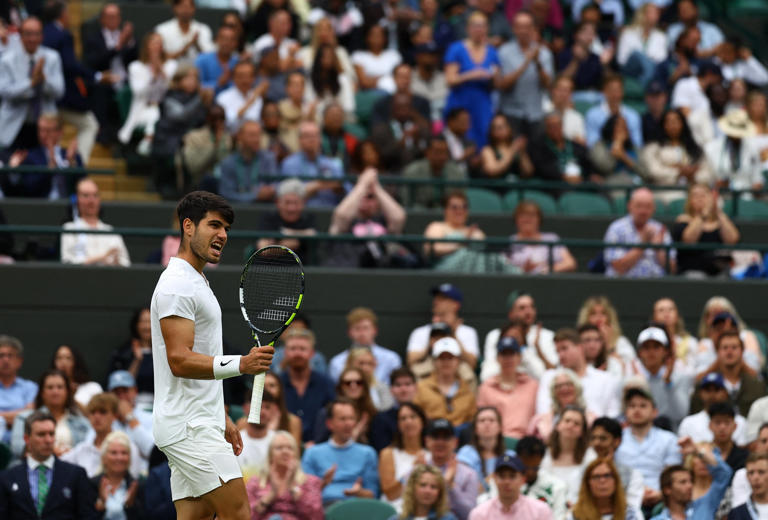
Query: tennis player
(190, 424)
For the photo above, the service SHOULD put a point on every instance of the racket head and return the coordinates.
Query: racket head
(271, 291)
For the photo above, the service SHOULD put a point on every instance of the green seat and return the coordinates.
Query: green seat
(511, 199)
(123, 97)
(580, 203)
(235, 412)
(675, 207)
(510, 443)
(360, 508)
(364, 101)
(545, 201)
(750, 8)
(633, 89)
(484, 201)
(5, 455)
(752, 210)
(761, 338)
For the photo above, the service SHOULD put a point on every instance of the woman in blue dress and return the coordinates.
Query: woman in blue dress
(470, 68)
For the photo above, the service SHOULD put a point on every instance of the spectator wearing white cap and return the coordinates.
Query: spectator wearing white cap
(131, 419)
(668, 379)
(444, 394)
(696, 426)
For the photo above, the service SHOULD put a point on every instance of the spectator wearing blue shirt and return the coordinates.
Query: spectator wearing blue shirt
(613, 93)
(643, 446)
(688, 14)
(241, 174)
(306, 391)
(348, 469)
(16, 393)
(216, 67)
(637, 227)
(676, 483)
(309, 162)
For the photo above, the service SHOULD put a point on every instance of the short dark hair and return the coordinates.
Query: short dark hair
(665, 480)
(567, 334)
(587, 327)
(754, 457)
(454, 194)
(52, 10)
(196, 204)
(454, 113)
(611, 426)
(337, 402)
(269, 397)
(612, 78)
(632, 392)
(36, 416)
(728, 334)
(436, 139)
(721, 408)
(401, 372)
(530, 446)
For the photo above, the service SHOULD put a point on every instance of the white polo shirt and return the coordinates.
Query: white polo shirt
(418, 341)
(180, 402)
(696, 426)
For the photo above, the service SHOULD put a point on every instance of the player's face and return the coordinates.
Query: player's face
(41, 439)
(757, 474)
(209, 237)
(427, 490)
(117, 458)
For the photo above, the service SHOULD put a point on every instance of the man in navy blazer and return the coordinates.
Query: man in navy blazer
(43, 486)
(74, 107)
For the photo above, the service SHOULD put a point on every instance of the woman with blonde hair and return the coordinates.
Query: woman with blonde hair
(601, 495)
(719, 315)
(363, 359)
(117, 489)
(283, 489)
(642, 45)
(599, 311)
(323, 34)
(684, 344)
(565, 390)
(425, 496)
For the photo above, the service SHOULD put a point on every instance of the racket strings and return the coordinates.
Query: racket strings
(271, 288)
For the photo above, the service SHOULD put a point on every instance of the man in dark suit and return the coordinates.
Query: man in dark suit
(109, 45)
(43, 486)
(74, 107)
(402, 77)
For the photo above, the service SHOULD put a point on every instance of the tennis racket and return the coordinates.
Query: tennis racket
(271, 291)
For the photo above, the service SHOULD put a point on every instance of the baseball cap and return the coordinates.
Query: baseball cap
(713, 378)
(637, 390)
(652, 334)
(507, 344)
(510, 461)
(724, 316)
(654, 88)
(439, 426)
(440, 328)
(120, 379)
(449, 291)
(444, 345)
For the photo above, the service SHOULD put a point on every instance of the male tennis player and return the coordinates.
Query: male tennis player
(190, 423)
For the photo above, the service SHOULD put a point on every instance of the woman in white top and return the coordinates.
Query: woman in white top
(329, 83)
(710, 329)
(683, 343)
(149, 78)
(70, 361)
(375, 64)
(406, 451)
(363, 359)
(757, 110)
(566, 393)
(733, 157)
(642, 45)
(323, 34)
(569, 452)
(599, 311)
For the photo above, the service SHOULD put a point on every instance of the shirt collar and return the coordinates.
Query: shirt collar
(33, 463)
(335, 444)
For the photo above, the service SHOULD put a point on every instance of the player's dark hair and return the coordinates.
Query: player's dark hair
(397, 438)
(36, 416)
(722, 408)
(611, 426)
(531, 446)
(196, 204)
(401, 372)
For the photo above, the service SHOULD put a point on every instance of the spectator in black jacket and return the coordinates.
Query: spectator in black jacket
(556, 158)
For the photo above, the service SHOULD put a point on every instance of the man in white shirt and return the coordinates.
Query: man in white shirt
(696, 426)
(446, 303)
(756, 508)
(253, 458)
(242, 101)
(600, 389)
(538, 355)
(278, 36)
(184, 37)
(740, 487)
(190, 424)
(689, 94)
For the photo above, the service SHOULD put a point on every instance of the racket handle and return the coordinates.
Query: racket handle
(254, 417)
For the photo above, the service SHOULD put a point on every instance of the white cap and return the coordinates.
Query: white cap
(449, 345)
(652, 334)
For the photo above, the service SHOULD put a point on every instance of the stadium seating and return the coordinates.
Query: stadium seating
(582, 203)
(484, 201)
(359, 508)
(545, 201)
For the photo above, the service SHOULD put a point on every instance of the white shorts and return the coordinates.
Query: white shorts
(200, 462)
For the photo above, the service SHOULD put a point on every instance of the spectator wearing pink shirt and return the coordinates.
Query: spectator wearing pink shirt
(511, 504)
(512, 393)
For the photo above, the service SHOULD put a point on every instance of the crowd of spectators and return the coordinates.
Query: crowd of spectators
(416, 89)
(577, 423)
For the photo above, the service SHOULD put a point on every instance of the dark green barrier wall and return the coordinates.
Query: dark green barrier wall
(45, 305)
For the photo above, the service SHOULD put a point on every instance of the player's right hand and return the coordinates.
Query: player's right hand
(258, 360)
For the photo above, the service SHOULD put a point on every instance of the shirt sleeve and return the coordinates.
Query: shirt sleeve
(672, 453)
(453, 54)
(371, 473)
(175, 303)
(613, 253)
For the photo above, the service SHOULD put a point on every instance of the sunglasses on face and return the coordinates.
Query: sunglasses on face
(352, 382)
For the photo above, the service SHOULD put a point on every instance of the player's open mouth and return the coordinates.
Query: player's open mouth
(217, 247)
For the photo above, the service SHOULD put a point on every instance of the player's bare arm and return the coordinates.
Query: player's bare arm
(179, 336)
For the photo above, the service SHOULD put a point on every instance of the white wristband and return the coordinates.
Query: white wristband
(226, 366)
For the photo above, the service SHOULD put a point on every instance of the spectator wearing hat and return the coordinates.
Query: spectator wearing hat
(644, 446)
(511, 502)
(512, 393)
(446, 304)
(669, 381)
(733, 157)
(541, 355)
(656, 98)
(743, 387)
(711, 390)
(131, 418)
(427, 80)
(444, 394)
(362, 329)
(461, 480)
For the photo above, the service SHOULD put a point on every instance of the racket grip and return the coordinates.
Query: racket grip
(254, 416)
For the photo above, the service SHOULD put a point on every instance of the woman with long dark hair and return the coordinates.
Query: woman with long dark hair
(614, 154)
(397, 460)
(135, 355)
(329, 83)
(486, 443)
(354, 386)
(69, 360)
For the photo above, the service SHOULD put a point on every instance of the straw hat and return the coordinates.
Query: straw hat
(736, 124)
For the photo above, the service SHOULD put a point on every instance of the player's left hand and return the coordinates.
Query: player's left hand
(232, 435)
